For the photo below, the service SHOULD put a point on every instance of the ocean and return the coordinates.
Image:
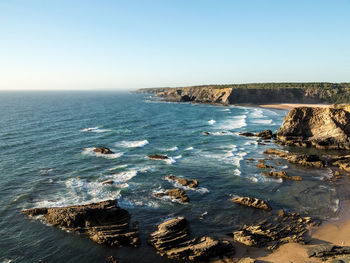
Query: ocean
(47, 159)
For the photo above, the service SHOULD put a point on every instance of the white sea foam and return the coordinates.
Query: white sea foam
(90, 151)
(189, 148)
(336, 205)
(234, 123)
(170, 160)
(223, 133)
(211, 122)
(263, 122)
(257, 113)
(122, 166)
(95, 129)
(124, 176)
(133, 144)
(173, 149)
(237, 172)
(258, 178)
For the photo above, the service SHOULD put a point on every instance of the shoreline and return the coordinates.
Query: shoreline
(289, 106)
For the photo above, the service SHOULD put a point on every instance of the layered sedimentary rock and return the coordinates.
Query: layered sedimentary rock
(176, 194)
(324, 128)
(192, 183)
(300, 159)
(104, 222)
(328, 250)
(283, 175)
(287, 227)
(251, 202)
(172, 239)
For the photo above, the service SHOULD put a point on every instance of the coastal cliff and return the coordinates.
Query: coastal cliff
(257, 93)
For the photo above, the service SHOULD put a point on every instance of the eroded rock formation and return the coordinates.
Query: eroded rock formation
(172, 239)
(103, 150)
(251, 202)
(104, 222)
(192, 183)
(283, 175)
(176, 194)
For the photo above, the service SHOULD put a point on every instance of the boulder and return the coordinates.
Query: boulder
(103, 150)
(247, 134)
(192, 183)
(327, 250)
(172, 239)
(267, 134)
(104, 222)
(251, 202)
(323, 128)
(283, 175)
(264, 166)
(158, 157)
(175, 194)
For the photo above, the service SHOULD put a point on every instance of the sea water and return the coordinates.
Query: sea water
(47, 160)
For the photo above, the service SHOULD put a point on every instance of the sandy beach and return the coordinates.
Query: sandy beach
(289, 106)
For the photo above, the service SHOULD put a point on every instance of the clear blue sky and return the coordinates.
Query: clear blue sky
(82, 44)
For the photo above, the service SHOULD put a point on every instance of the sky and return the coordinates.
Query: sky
(129, 44)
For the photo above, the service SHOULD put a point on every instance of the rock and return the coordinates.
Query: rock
(250, 159)
(300, 159)
(281, 213)
(282, 174)
(108, 182)
(206, 133)
(342, 162)
(103, 150)
(247, 260)
(323, 128)
(265, 134)
(247, 134)
(111, 259)
(289, 228)
(327, 250)
(192, 183)
(158, 157)
(175, 194)
(264, 166)
(104, 222)
(172, 239)
(251, 202)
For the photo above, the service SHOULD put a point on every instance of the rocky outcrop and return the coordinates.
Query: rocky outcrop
(265, 135)
(103, 150)
(300, 159)
(323, 128)
(104, 222)
(192, 183)
(251, 202)
(157, 157)
(283, 175)
(172, 239)
(327, 250)
(175, 194)
(342, 162)
(287, 227)
(264, 166)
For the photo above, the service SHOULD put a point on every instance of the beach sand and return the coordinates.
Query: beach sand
(289, 106)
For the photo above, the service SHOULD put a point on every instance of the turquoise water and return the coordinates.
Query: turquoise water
(47, 160)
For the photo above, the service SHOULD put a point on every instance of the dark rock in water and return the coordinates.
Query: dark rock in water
(323, 128)
(283, 175)
(111, 259)
(264, 166)
(104, 222)
(206, 133)
(267, 134)
(327, 250)
(175, 194)
(158, 157)
(250, 159)
(247, 134)
(192, 183)
(172, 239)
(103, 150)
(251, 202)
(108, 182)
(287, 228)
(300, 159)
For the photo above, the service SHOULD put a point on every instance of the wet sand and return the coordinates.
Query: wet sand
(289, 106)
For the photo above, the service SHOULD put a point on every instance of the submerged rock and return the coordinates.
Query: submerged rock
(264, 166)
(158, 157)
(103, 150)
(283, 175)
(247, 134)
(251, 202)
(324, 128)
(206, 133)
(175, 194)
(172, 239)
(104, 222)
(285, 228)
(192, 183)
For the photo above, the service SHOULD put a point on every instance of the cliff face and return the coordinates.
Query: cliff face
(325, 128)
(227, 96)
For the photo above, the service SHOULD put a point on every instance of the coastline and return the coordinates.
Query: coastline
(289, 106)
